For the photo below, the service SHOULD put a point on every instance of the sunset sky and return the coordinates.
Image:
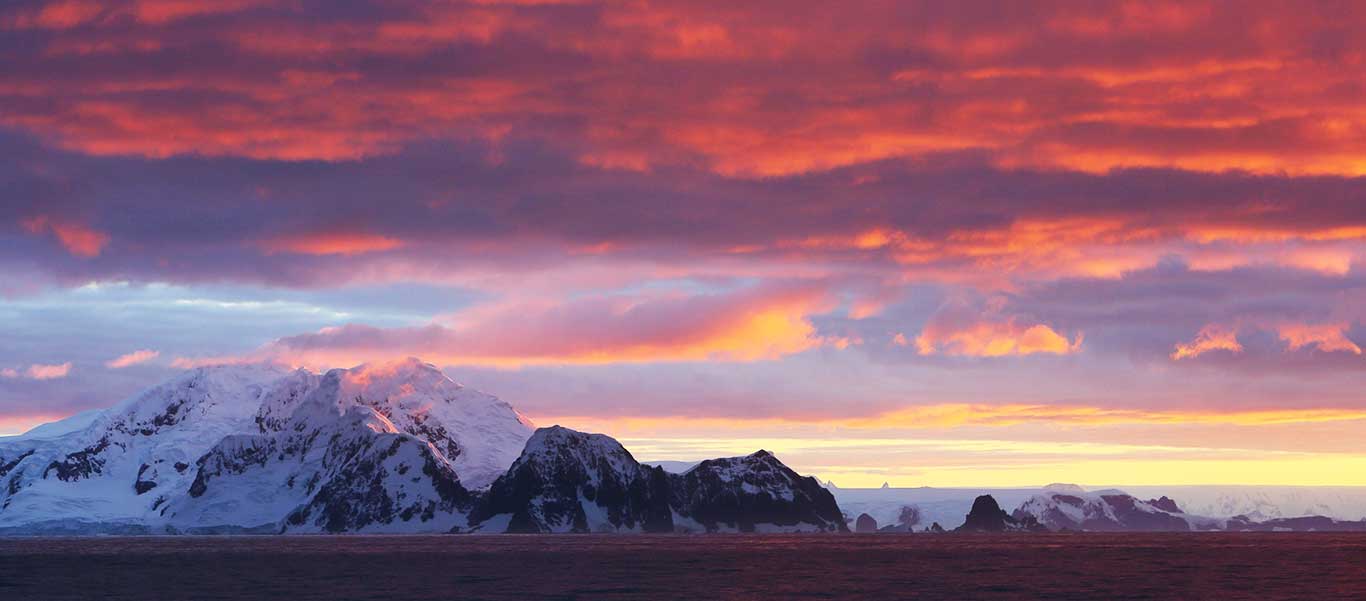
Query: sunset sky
(928, 243)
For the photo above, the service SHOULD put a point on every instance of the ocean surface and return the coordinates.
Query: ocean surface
(1211, 566)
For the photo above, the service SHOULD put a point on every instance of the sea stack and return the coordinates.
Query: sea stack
(865, 523)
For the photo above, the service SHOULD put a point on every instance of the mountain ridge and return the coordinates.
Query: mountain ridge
(393, 447)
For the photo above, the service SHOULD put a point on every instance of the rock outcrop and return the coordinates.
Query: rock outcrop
(987, 516)
(568, 481)
(865, 523)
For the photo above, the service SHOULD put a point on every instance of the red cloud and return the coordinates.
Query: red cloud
(747, 89)
(78, 239)
(332, 244)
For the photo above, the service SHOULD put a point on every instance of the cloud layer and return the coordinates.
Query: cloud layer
(1133, 219)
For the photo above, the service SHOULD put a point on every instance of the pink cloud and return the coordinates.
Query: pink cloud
(194, 362)
(132, 358)
(48, 372)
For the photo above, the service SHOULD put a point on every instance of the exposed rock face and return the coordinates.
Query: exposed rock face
(987, 516)
(865, 523)
(1165, 504)
(568, 481)
(753, 493)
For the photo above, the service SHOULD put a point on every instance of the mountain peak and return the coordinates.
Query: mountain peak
(406, 370)
(559, 440)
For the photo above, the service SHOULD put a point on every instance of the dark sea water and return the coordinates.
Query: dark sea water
(1079, 566)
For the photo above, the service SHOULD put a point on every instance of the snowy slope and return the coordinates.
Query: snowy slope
(1264, 502)
(476, 433)
(79, 421)
(328, 471)
(115, 468)
(1071, 507)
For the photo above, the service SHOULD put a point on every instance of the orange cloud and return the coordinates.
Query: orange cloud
(77, 239)
(1083, 246)
(1329, 338)
(994, 339)
(332, 244)
(132, 359)
(750, 325)
(1211, 337)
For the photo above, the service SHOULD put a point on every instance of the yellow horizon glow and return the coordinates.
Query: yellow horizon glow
(952, 463)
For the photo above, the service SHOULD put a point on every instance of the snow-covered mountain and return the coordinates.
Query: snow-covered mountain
(1071, 507)
(376, 447)
(395, 447)
(568, 481)
(1344, 503)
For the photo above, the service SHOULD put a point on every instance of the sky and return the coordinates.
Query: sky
(923, 243)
